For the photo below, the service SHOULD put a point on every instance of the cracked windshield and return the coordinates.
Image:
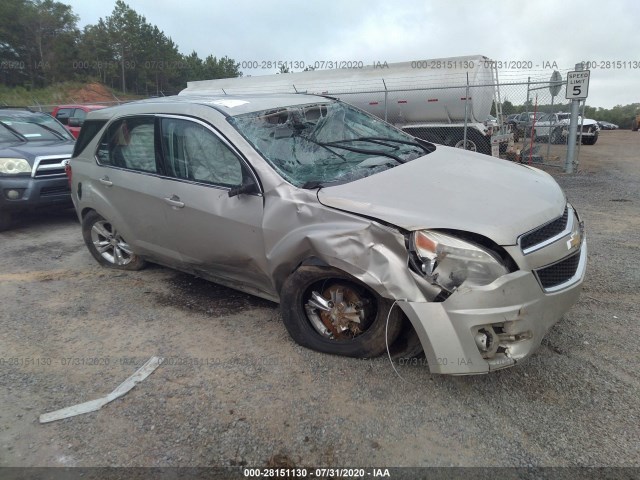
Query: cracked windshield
(323, 144)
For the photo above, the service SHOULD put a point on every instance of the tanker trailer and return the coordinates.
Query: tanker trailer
(428, 99)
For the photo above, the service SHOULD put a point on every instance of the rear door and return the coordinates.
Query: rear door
(132, 188)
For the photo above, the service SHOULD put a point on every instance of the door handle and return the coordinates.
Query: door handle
(106, 181)
(174, 201)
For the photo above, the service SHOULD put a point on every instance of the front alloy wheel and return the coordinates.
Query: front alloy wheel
(329, 311)
(107, 246)
(556, 136)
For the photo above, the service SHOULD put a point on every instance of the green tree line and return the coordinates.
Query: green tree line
(41, 44)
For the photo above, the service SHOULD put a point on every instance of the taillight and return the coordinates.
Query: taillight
(67, 170)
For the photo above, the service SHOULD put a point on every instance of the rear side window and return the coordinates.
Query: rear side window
(79, 113)
(90, 129)
(63, 115)
(193, 152)
(130, 143)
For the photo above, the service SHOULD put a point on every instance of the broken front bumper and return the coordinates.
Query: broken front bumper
(513, 310)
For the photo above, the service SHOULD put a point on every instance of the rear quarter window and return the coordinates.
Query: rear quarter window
(89, 130)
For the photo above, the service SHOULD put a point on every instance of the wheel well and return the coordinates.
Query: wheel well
(86, 211)
(311, 261)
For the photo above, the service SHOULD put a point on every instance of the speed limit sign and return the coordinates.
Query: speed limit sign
(577, 85)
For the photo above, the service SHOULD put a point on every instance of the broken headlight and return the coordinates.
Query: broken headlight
(449, 262)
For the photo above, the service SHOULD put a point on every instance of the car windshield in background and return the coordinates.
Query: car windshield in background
(329, 143)
(32, 127)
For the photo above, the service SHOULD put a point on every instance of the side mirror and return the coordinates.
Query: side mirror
(75, 122)
(245, 188)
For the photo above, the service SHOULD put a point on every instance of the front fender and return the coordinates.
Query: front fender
(299, 229)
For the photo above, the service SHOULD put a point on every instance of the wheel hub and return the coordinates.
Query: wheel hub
(109, 244)
(338, 312)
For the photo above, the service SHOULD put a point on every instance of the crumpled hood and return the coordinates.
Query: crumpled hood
(454, 189)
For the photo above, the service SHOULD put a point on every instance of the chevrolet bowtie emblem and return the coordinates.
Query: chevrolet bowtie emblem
(574, 241)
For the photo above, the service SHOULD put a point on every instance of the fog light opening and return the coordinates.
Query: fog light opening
(13, 193)
(484, 340)
(487, 339)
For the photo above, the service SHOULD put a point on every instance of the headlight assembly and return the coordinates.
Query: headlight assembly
(14, 166)
(449, 262)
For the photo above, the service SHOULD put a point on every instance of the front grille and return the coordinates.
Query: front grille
(51, 191)
(587, 128)
(50, 167)
(558, 273)
(545, 232)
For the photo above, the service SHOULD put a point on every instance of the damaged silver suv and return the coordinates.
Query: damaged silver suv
(369, 238)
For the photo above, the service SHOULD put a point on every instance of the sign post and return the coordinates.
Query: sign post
(577, 90)
(555, 84)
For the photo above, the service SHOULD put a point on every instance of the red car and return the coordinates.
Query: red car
(72, 116)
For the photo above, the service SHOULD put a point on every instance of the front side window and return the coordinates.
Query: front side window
(327, 143)
(129, 143)
(193, 152)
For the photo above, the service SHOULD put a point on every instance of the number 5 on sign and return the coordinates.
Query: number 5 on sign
(577, 85)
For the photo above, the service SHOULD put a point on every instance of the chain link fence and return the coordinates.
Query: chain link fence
(507, 114)
(521, 120)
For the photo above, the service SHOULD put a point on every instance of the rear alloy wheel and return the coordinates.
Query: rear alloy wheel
(327, 310)
(107, 246)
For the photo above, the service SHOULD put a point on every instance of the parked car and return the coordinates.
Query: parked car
(367, 237)
(72, 116)
(607, 125)
(555, 127)
(521, 125)
(33, 151)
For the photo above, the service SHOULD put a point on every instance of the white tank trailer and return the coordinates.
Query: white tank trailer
(425, 98)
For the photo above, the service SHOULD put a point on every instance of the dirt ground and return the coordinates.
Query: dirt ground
(236, 390)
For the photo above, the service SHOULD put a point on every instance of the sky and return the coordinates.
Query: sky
(536, 36)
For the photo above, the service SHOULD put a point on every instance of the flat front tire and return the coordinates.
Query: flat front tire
(327, 310)
(107, 245)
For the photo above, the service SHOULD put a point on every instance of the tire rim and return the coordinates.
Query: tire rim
(109, 244)
(471, 146)
(341, 312)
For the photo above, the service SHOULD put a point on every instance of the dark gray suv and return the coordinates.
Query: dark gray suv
(34, 149)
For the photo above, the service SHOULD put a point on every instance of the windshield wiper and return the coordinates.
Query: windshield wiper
(49, 129)
(15, 132)
(363, 150)
(383, 141)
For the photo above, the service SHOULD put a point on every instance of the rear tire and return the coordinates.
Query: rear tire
(345, 297)
(107, 246)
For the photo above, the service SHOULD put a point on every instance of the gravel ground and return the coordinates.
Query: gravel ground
(235, 390)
